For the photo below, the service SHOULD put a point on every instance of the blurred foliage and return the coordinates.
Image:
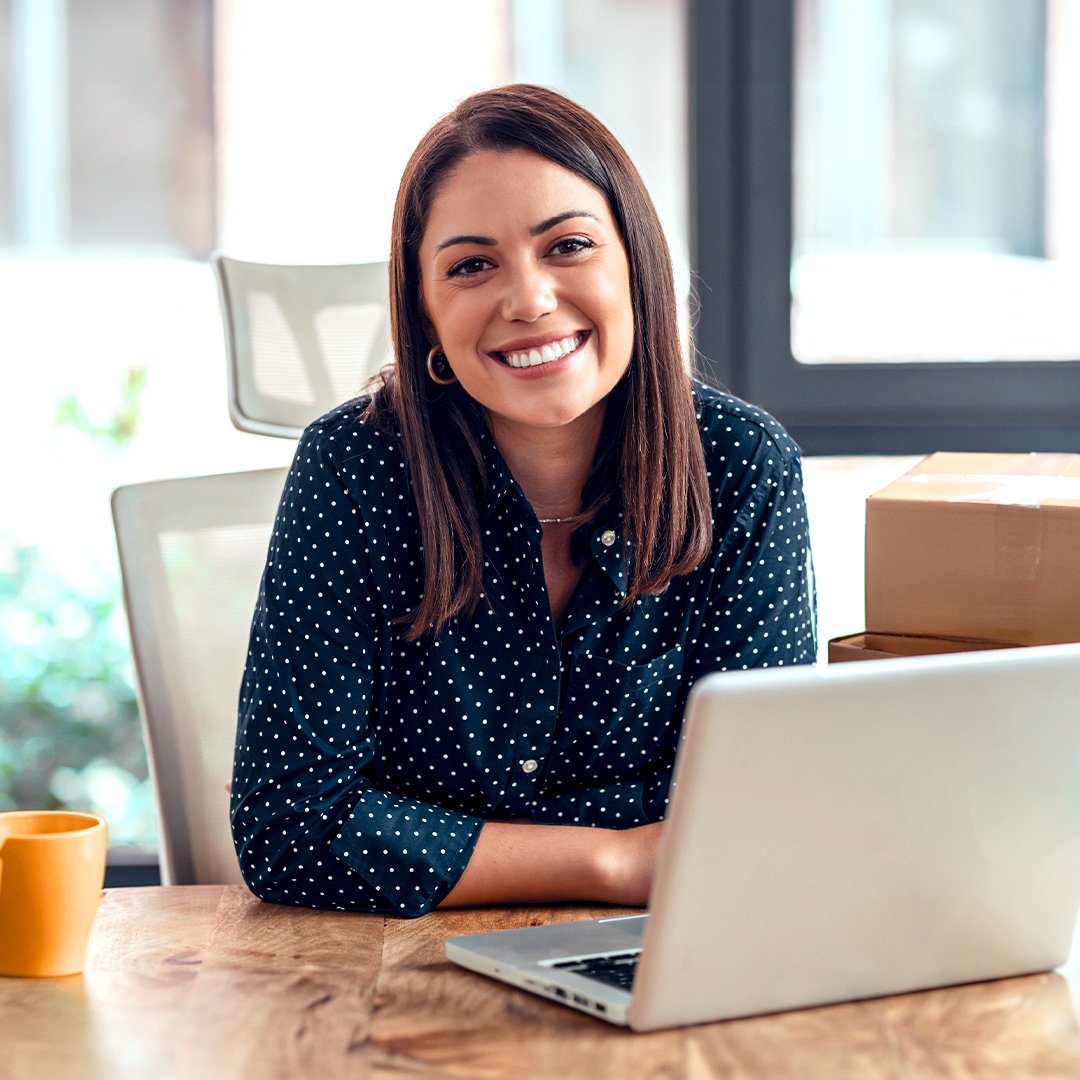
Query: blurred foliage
(120, 426)
(69, 728)
(69, 722)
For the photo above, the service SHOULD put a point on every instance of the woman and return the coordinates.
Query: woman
(493, 581)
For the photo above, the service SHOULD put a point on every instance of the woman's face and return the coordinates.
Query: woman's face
(527, 286)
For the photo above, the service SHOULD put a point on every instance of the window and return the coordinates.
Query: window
(935, 160)
(107, 115)
(889, 247)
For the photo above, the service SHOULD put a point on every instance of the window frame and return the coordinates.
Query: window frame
(740, 60)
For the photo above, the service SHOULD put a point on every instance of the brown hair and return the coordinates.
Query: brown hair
(651, 468)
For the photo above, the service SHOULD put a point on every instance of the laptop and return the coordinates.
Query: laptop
(837, 833)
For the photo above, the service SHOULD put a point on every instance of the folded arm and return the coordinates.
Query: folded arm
(524, 863)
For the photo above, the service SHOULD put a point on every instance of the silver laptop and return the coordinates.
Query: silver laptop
(839, 833)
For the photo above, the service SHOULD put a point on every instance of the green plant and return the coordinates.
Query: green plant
(120, 426)
(69, 732)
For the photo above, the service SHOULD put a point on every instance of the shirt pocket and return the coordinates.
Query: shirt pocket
(617, 717)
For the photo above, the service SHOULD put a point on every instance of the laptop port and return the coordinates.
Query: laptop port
(579, 1000)
(599, 1006)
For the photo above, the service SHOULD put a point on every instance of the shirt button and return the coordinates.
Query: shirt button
(607, 537)
(530, 766)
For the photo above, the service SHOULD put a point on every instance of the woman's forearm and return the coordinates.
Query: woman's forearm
(524, 863)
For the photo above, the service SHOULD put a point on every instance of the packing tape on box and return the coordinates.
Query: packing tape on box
(1005, 489)
(1030, 464)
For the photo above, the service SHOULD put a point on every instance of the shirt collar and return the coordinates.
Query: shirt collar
(498, 479)
(605, 541)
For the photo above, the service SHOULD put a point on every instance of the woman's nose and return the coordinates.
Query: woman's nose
(530, 293)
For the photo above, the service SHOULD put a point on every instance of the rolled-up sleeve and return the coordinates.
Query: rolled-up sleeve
(310, 826)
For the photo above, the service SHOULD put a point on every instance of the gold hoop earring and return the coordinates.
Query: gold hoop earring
(438, 367)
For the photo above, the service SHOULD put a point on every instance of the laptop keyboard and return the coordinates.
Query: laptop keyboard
(615, 969)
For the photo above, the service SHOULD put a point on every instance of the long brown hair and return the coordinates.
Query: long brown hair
(651, 469)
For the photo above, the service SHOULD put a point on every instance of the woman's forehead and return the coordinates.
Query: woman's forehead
(507, 189)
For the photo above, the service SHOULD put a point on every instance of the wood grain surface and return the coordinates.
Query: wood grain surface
(208, 982)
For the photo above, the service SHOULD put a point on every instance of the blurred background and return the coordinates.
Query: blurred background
(136, 136)
(857, 194)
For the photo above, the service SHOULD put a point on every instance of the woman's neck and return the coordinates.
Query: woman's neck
(551, 464)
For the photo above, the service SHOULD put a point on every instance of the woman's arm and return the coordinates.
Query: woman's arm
(760, 606)
(524, 863)
(311, 826)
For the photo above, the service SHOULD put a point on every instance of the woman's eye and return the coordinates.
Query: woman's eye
(571, 245)
(468, 267)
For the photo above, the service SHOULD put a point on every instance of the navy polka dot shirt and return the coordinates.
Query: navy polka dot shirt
(366, 765)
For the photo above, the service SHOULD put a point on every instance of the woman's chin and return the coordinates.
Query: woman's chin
(553, 416)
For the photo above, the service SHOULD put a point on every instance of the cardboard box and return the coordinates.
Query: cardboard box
(983, 546)
(868, 646)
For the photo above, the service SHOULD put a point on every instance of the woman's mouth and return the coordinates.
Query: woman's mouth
(545, 354)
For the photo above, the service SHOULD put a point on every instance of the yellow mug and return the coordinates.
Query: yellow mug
(52, 868)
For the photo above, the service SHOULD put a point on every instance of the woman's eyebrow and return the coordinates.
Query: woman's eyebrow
(536, 230)
(558, 219)
(486, 241)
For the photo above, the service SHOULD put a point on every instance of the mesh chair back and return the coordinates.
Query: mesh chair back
(191, 555)
(299, 339)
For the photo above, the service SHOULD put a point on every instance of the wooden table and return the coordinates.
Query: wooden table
(207, 982)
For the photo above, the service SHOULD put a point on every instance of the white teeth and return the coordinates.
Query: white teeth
(553, 350)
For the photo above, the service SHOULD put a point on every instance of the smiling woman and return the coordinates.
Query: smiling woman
(494, 578)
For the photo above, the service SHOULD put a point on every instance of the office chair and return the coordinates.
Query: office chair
(299, 339)
(191, 555)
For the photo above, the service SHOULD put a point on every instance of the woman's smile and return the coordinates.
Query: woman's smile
(541, 351)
